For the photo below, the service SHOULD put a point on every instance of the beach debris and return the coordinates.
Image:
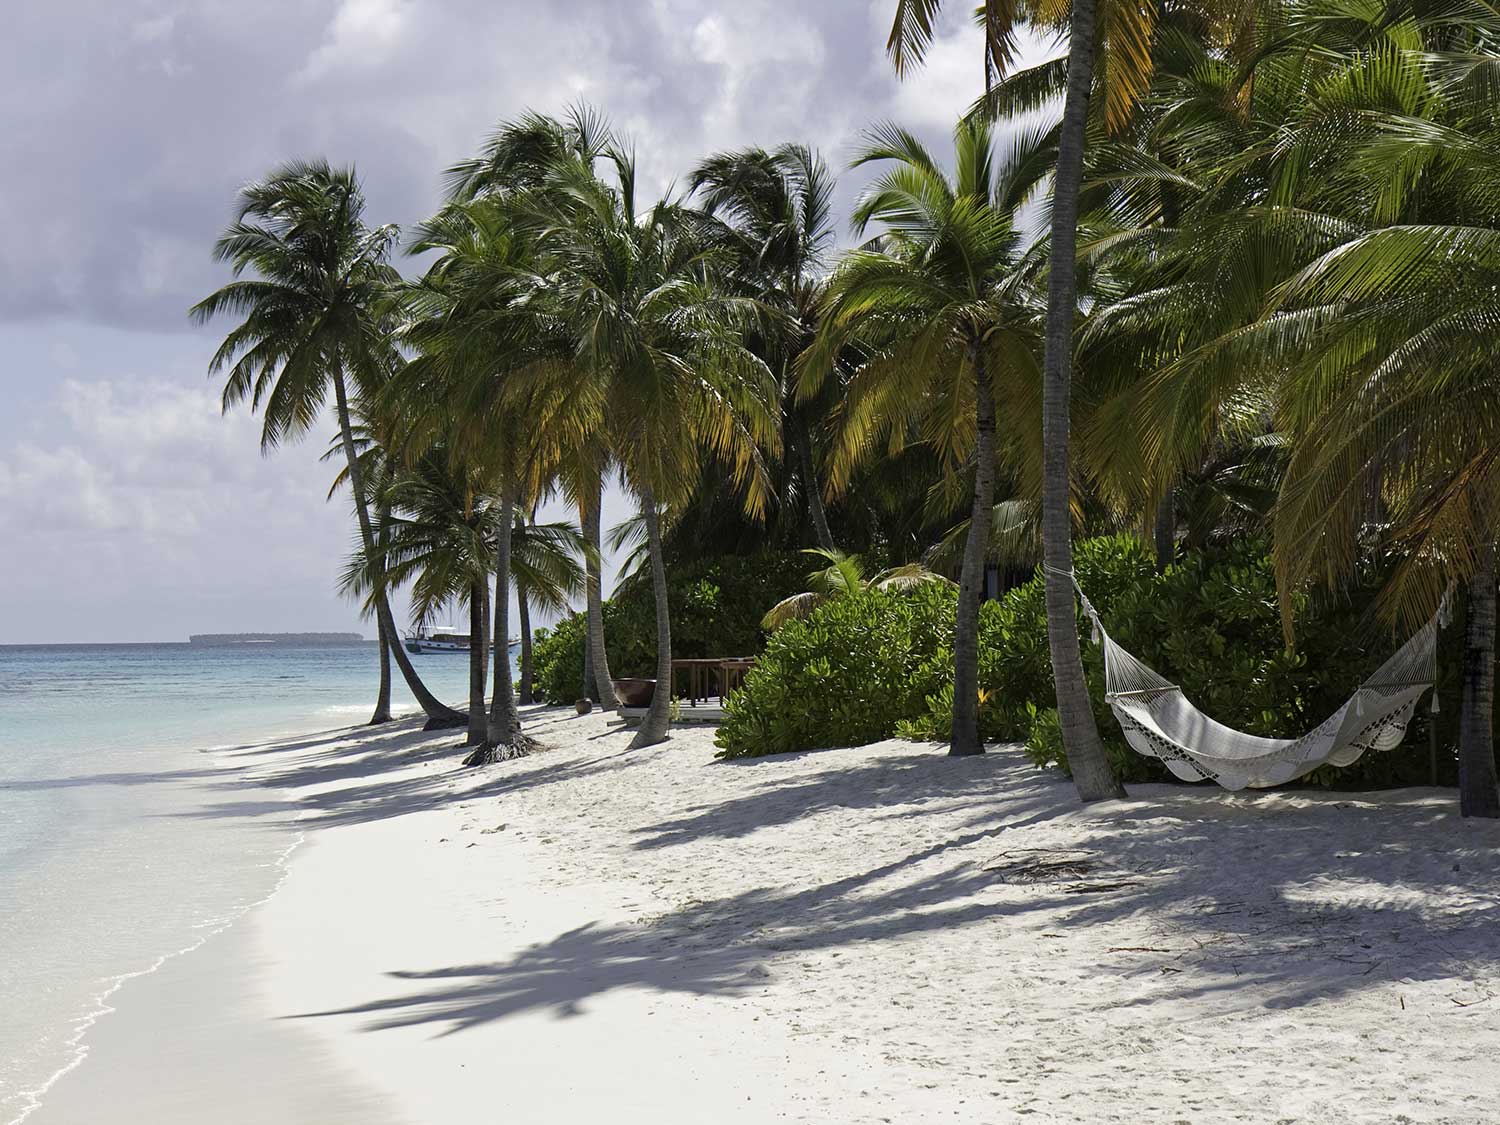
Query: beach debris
(1030, 867)
(1100, 888)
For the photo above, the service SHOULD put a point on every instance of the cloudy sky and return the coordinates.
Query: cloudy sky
(129, 508)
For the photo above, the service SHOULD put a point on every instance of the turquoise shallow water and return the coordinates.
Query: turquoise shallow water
(123, 838)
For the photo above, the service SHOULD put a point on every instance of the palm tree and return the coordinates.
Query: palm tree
(1338, 271)
(493, 381)
(311, 321)
(1113, 51)
(1128, 33)
(639, 294)
(843, 575)
(438, 539)
(778, 207)
(581, 469)
(519, 157)
(1393, 400)
(377, 467)
(949, 320)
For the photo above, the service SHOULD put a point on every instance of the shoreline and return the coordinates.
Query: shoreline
(77, 1041)
(852, 935)
(83, 1029)
(77, 1032)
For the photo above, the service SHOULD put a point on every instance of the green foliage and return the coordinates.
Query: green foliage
(716, 609)
(557, 660)
(880, 664)
(845, 675)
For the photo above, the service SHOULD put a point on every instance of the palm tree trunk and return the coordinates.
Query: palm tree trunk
(478, 646)
(1080, 734)
(654, 726)
(439, 716)
(1478, 794)
(484, 631)
(383, 700)
(1164, 530)
(589, 691)
(592, 515)
(503, 737)
(523, 610)
(811, 484)
(966, 739)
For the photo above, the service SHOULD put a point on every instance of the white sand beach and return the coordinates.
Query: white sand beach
(863, 935)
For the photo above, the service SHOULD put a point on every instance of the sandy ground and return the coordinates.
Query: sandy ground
(868, 935)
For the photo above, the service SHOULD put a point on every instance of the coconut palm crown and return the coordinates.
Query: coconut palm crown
(947, 323)
(312, 322)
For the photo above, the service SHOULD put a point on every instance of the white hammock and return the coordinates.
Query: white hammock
(1159, 722)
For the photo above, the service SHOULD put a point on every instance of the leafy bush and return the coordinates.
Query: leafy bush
(716, 609)
(557, 659)
(858, 669)
(845, 675)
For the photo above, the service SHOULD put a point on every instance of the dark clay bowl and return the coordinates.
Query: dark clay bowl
(635, 693)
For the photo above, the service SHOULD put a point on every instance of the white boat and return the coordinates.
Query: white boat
(443, 638)
(439, 638)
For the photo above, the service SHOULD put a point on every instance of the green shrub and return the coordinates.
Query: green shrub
(716, 608)
(845, 675)
(557, 660)
(869, 667)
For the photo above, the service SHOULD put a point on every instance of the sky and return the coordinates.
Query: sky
(130, 509)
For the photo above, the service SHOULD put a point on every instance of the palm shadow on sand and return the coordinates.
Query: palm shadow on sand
(1231, 885)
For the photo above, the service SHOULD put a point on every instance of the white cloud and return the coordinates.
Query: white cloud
(130, 498)
(951, 77)
(153, 30)
(45, 490)
(146, 459)
(141, 499)
(362, 34)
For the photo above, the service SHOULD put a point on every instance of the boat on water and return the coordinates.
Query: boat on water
(443, 638)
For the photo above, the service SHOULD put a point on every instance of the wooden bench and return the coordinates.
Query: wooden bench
(712, 676)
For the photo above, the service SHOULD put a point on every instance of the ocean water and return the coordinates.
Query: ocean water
(124, 839)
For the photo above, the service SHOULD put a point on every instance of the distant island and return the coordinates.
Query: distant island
(218, 640)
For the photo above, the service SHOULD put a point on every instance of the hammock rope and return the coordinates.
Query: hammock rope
(1160, 722)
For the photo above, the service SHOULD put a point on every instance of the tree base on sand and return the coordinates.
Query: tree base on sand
(446, 720)
(489, 753)
(644, 738)
(376, 720)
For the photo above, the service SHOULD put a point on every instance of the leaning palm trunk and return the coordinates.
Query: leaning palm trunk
(966, 738)
(439, 716)
(383, 700)
(1478, 794)
(503, 738)
(523, 611)
(654, 725)
(810, 485)
(478, 647)
(592, 516)
(1080, 734)
(1164, 531)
